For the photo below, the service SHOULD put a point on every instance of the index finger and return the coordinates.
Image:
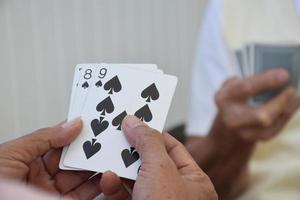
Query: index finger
(253, 85)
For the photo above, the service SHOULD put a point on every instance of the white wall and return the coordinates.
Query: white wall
(42, 40)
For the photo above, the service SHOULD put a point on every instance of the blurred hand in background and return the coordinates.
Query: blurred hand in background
(238, 126)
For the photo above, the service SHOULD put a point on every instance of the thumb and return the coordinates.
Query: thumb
(31, 146)
(148, 142)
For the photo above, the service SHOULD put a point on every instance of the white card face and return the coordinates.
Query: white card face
(86, 74)
(88, 78)
(77, 75)
(102, 146)
(86, 81)
(83, 80)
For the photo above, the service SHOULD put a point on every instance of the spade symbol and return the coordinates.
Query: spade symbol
(98, 126)
(105, 106)
(85, 85)
(144, 113)
(113, 85)
(129, 157)
(117, 121)
(99, 83)
(150, 93)
(91, 148)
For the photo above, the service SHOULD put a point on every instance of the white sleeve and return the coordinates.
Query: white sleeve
(213, 64)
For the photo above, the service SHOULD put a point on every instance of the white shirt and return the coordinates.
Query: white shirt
(214, 63)
(212, 66)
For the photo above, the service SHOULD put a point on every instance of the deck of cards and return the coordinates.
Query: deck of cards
(258, 58)
(103, 95)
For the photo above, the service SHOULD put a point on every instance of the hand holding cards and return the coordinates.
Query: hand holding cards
(103, 94)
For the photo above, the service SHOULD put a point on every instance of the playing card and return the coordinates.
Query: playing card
(91, 76)
(102, 146)
(78, 70)
(81, 84)
(240, 61)
(247, 60)
(87, 76)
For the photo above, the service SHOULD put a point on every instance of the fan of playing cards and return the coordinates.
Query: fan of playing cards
(103, 94)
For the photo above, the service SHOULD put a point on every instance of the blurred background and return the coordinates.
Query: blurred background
(41, 41)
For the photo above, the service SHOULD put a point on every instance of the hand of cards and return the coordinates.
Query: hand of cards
(103, 94)
(257, 58)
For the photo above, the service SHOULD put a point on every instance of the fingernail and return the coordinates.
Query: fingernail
(71, 123)
(132, 122)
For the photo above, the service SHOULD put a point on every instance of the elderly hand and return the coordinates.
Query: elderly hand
(33, 159)
(167, 171)
(256, 123)
(224, 154)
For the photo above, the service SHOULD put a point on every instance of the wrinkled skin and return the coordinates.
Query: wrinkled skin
(167, 171)
(33, 159)
(224, 154)
(29, 168)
